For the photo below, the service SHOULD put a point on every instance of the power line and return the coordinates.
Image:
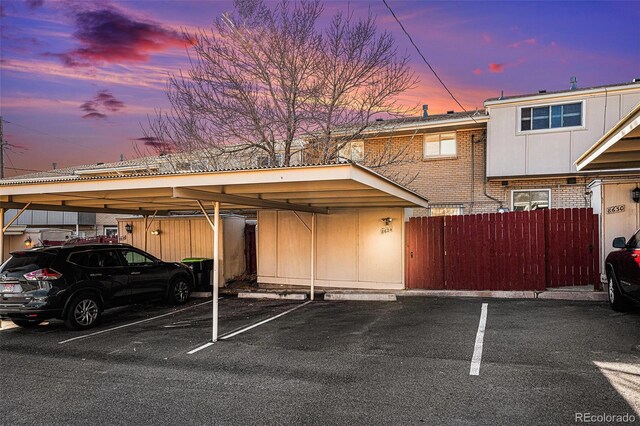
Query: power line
(423, 58)
(46, 134)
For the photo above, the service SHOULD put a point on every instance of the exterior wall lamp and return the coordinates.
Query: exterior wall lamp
(28, 242)
(635, 195)
(128, 228)
(387, 225)
(155, 232)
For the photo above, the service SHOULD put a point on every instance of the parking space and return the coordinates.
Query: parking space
(329, 362)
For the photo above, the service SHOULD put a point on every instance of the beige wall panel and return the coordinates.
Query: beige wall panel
(267, 243)
(201, 239)
(380, 255)
(622, 224)
(294, 245)
(337, 246)
(234, 246)
(546, 155)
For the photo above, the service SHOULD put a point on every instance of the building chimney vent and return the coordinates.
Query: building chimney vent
(501, 95)
(574, 83)
(450, 112)
(542, 91)
(636, 80)
(425, 111)
(379, 119)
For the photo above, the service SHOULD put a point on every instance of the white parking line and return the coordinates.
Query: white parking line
(199, 348)
(130, 324)
(477, 351)
(242, 330)
(235, 333)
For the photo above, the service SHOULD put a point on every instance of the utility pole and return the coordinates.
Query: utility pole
(2, 144)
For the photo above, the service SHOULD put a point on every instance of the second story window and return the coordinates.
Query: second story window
(353, 151)
(439, 145)
(551, 116)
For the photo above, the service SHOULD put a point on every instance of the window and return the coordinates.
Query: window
(95, 259)
(439, 145)
(530, 199)
(445, 210)
(353, 151)
(110, 231)
(135, 258)
(265, 161)
(551, 116)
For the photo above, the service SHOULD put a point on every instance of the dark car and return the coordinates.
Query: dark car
(76, 283)
(623, 272)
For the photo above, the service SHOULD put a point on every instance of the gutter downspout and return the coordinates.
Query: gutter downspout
(484, 183)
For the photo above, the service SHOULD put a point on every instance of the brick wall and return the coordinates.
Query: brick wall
(449, 182)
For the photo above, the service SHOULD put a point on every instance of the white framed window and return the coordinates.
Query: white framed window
(110, 231)
(353, 151)
(556, 116)
(530, 199)
(440, 145)
(446, 210)
(265, 161)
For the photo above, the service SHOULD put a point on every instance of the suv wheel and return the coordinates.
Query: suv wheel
(84, 312)
(179, 291)
(615, 297)
(25, 323)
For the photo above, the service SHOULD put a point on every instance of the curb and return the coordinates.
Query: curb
(368, 297)
(201, 294)
(493, 294)
(272, 295)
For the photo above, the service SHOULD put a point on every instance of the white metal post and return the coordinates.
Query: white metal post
(1, 235)
(313, 254)
(216, 233)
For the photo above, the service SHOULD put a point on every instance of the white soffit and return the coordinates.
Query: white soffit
(310, 188)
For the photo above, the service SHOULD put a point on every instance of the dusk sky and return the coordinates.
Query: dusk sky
(79, 78)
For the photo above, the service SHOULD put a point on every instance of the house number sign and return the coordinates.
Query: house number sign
(615, 209)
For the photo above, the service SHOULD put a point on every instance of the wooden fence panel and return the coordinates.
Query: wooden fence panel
(511, 251)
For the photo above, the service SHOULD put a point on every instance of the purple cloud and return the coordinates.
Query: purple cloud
(34, 4)
(103, 101)
(108, 36)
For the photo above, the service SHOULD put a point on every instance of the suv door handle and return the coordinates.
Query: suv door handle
(95, 275)
(135, 273)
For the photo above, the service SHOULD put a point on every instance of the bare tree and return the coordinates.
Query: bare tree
(267, 81)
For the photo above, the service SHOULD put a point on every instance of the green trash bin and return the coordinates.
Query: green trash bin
(201, 267)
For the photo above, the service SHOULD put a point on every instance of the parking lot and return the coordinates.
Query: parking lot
(404, 362)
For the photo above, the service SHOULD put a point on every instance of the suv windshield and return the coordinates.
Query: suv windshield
(27, 261)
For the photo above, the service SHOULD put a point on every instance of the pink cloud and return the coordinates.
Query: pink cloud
(486, 38)
(496, 68)
(477, 71)
(529, 41)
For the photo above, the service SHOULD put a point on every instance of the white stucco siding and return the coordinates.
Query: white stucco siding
(511, 152)
(351, 249)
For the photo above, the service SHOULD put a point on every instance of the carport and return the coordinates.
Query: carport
(312, 189)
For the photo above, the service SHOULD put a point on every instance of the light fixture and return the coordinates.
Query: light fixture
(128, 228)
(387, 220)
(635, 195)
(27, 242)
(155, 232)
(502, 209)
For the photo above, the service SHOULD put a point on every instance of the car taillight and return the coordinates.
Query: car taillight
(44, 274)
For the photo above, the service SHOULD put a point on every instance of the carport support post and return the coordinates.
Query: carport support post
(313, 254)
(216, 275)
(1, 235)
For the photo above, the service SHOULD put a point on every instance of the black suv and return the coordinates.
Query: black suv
(623, 272)
(75, 283)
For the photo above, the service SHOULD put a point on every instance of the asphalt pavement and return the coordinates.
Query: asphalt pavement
(325, 363)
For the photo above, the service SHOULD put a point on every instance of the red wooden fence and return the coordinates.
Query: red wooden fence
(503, 251)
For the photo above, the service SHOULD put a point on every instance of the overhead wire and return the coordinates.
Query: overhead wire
(424, 58)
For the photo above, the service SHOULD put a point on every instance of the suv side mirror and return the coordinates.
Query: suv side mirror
(619, 242)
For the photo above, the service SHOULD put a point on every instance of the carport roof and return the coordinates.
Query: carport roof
(618, 149)
(304, 188)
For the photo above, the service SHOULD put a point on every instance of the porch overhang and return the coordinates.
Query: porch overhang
(618, 149)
